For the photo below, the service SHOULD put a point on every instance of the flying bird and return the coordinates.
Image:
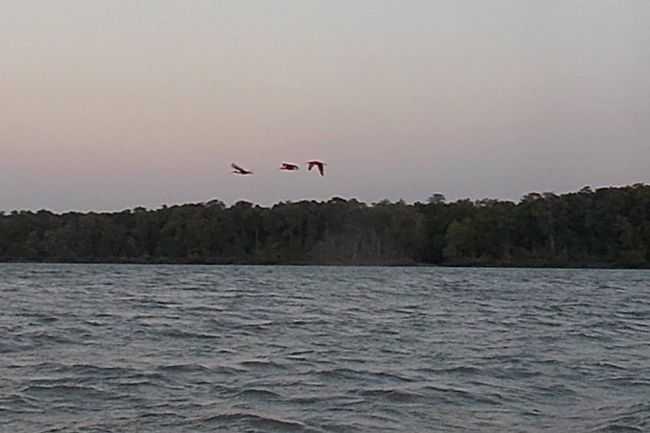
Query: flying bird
(238, 170)
(318, 164)
(288, 166)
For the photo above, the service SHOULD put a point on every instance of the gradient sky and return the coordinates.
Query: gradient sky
(114, 104)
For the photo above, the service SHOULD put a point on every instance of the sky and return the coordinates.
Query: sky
(117, 104)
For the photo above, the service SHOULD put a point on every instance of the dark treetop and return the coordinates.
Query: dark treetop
(605, 227)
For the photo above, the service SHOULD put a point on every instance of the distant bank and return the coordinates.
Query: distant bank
(208, 262)
(606, 227)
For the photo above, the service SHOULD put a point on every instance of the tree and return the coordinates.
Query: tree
(608, 226)
(436, 198)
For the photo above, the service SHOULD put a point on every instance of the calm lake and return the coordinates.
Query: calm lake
(119, 348)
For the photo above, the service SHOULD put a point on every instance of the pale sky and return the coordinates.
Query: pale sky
(107, 105)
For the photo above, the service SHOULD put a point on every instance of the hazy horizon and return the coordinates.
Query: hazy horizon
(268, 204)
(113, 105)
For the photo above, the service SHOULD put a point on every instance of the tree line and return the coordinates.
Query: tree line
(607, 227)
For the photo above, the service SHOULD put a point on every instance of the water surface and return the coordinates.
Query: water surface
(119, 348)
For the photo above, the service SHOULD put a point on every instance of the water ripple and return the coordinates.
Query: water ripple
(320, 349)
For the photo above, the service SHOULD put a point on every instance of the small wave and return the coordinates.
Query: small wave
(13, 346)
(142, 378)
(152, 304)
(628, 381)
(261, 364)
(394, 351)
(183, 368)
(94, 323)
(16, 403)
(41, 318)
(390, 376)
(259, 325)
(465, 370)
(458, 395)
(302, 355)
(302, 352)
(348, 373)
(308, 399)
(265, 422)
(192, 309)
(306, 322)
(175, 333)
(615, 427)
(38, 315)
(519, 372)
(338, 373)
(611, 365)
(355, 360)
(258, 394)
(227, 370)
(645, 314)
(91, 370)
(394, 395)
(129, 383)
(337, 427)
(590, 335)
(67, 392)
(556, 390)
(42, 338)
(298, 358)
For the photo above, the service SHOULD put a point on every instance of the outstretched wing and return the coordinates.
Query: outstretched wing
(316, 163)
(236, 167)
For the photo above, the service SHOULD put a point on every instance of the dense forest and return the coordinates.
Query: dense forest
(603, 227)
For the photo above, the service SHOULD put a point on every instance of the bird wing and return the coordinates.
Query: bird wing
(236, 167)
(321, 169)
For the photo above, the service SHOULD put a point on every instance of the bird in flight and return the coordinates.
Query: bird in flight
(238, 170)
(288, 166)
(318, 164)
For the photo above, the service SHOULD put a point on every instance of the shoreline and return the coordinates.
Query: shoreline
(194, 262)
